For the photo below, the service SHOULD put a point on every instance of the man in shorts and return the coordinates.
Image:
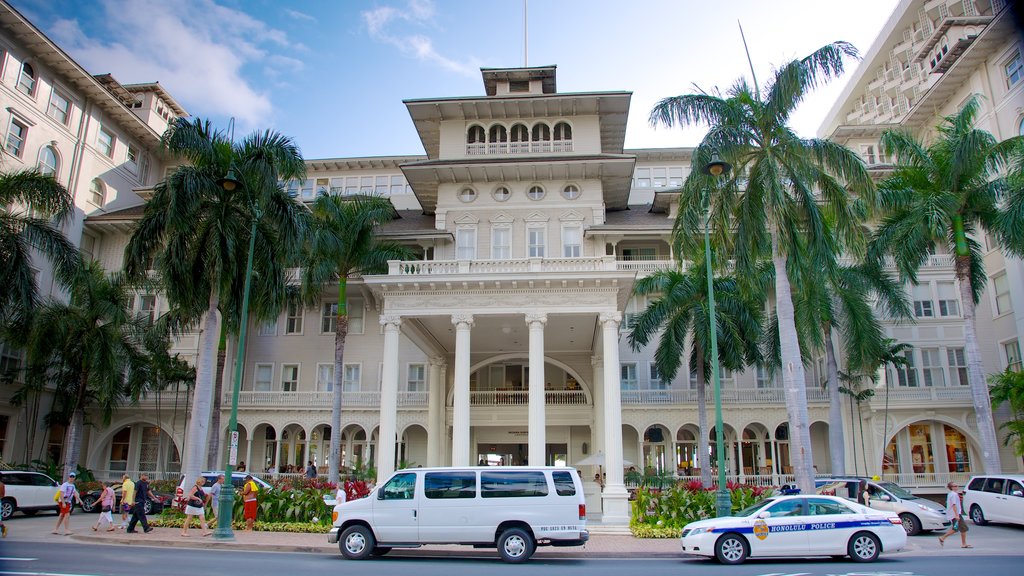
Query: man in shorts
(249, 502)
(127, 498)
(67, 494)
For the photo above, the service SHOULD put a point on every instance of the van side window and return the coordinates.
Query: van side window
(440, 485)
(1015, 489)
(976, 484)
(401, 487)
(563, 483)
(512, 484)
(994, 485)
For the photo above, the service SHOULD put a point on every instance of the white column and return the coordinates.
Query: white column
(597, 389)
(615, 498)
(388, 398)
(537, 423)
(248, 453)
(435, 412)
(460, 412)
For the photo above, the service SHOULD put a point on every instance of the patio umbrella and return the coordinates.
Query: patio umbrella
(598, 460)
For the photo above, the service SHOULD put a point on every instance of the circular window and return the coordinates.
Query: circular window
(501, 193)
(467, 194)
(571, 192)
(535, 192)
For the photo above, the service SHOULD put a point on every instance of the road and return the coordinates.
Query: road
(75, 559)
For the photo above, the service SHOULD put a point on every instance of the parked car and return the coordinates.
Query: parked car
(513, 509)
(28, 492)
(995, 498)
(91, 501)
(916, 513)
(788, 526)
(237, 479)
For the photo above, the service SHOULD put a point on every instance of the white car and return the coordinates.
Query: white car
(29, 492)
(995, 498)
(797, 526)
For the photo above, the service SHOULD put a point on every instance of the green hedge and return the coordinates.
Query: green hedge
(175, 520)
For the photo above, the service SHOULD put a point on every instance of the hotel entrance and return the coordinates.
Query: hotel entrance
(516, 455)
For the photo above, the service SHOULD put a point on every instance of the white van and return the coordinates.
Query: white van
(513, 509)
(995, 498)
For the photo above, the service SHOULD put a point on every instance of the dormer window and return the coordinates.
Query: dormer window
(519, 86)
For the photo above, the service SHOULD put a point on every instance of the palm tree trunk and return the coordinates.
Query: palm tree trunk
(979, 388)
(836, 442)
(702, 423)
(340, 334)
(73, 434)
(218, 396)
(199, 423)
(852, 424)
(793, 384)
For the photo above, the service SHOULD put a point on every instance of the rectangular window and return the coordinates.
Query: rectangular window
(501, 243)
(329, 317)
(634, 254)
(634, 307)
(268, 328)
(536, 241)
(119, 447)
(763, 379)
(922, 294)
(656, 381)
(627, 376)
(907, 375)
(351, 185)
(289, 377)
(366, 185)
(957, 366)
(1011, 351)
(147, 307)
(416, 380)
(105, 142)
(263, 379)
(660, 178)
(1014, 70)
(356, 317)
(293, 323)
(397, 185)
(325, 377)
(133, 154)
(867, 152)
(381, 186)
(1001, 289)
(16, 134)
(564, 486)
(642, 178)
(465, 244)
(931, 367)
(675, 177)
(512, 484)
(572, 241)
(445, 485)
(353, 378)
(949, 304)
(59, 107)
(88, 247)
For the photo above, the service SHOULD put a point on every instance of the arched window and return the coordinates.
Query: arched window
(497, 140)
(97, 192)
(48, 162)
(1020, 127)
(541, 133)
(475, 135)
(27, 79)
(563, 131)
(520, 139)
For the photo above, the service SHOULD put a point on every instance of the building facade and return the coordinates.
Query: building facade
(503, 341)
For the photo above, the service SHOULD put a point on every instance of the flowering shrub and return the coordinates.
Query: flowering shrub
(663, 513)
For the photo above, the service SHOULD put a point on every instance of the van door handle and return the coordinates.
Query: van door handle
(413, 513)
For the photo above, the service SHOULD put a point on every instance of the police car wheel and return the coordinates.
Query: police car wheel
(911, 524)
(731, 549)
(515, 545)
(977, 515)
(864, 547)
(357, 543)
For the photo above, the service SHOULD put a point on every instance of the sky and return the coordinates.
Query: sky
(332, 74)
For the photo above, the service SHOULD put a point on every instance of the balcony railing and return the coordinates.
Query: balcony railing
(898, 394)
(481, 148)
(729, 396)
(518, 266)
(522, 398)
(320, 399)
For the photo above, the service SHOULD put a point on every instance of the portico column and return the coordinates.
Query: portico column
(537, 423)
(615, 498)
(460, 411)
(388, 398)
(435, 406)
(597, 363)
(248, 453)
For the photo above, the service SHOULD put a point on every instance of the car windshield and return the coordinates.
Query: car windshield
(750, 510)
(897, 491)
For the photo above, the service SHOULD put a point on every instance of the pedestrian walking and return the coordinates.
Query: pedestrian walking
(955, 514)
(67, 495)
(3, 494)
(213, 497)
(195, 505)
(127, 499)
(250, 495)
(310, 470)
(142, 494)
(107, 503)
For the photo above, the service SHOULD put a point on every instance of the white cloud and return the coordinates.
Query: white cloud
(382, 24)
(196, 48)
(299, 15)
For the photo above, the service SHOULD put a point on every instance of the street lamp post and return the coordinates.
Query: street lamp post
(226, 501)
(723, 500)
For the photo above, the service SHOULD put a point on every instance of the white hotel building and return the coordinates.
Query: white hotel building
(504, 340)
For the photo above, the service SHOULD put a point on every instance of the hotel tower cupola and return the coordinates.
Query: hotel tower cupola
(519, 81)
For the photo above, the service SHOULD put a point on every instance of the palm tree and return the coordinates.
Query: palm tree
(343, 244)
(945, 193)
(197, 232)
(787, 198)
(1008, 388)
(857, 396)
(90, 348)
(32, 206)
(680, 310)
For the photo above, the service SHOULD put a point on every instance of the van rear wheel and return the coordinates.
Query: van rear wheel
(515, 545)
(357, 542)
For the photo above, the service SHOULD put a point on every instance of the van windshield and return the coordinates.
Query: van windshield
(897, 491)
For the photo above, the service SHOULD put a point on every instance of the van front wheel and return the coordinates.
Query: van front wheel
(515, 545)
(357, 543)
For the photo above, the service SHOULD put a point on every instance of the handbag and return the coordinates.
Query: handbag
(105, 509)
(961, 524)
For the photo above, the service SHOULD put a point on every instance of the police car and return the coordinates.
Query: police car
(797, 526)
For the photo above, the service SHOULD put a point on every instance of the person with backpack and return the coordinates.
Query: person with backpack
(66, 496)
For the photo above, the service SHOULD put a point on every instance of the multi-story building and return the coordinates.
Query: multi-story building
(503, 341)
